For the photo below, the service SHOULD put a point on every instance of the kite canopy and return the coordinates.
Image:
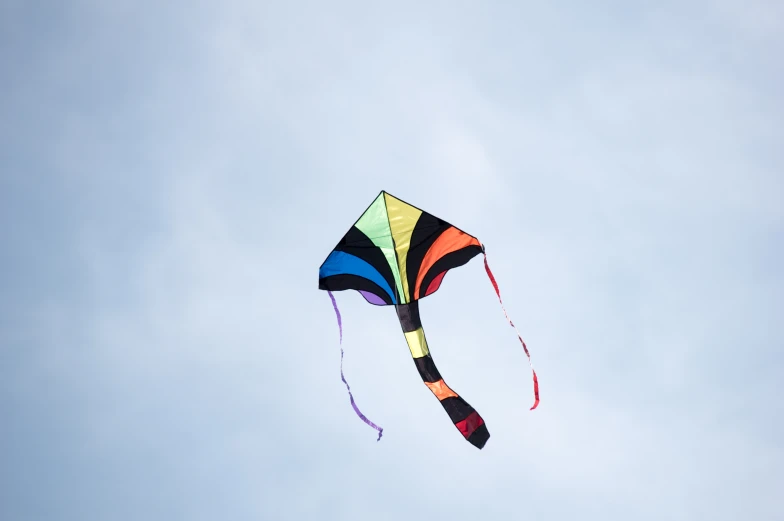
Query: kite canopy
(396, 253)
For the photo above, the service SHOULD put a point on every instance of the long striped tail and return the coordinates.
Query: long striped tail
(465, 417)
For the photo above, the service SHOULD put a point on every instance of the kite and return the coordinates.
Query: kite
(396, 254)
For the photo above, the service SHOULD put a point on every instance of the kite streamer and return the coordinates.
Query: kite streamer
(525, 347)
(351, 396)
(337, 314)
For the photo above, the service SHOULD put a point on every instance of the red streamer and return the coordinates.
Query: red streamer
(497, 292)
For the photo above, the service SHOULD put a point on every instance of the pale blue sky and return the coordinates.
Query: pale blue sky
(172, 177)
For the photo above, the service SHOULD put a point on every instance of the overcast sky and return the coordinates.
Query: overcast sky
(172, 176)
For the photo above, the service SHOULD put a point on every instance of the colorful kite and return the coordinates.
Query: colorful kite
(394, 255)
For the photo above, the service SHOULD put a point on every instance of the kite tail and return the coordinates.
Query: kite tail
(525, 348)
(466, 419)
(351, 396)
